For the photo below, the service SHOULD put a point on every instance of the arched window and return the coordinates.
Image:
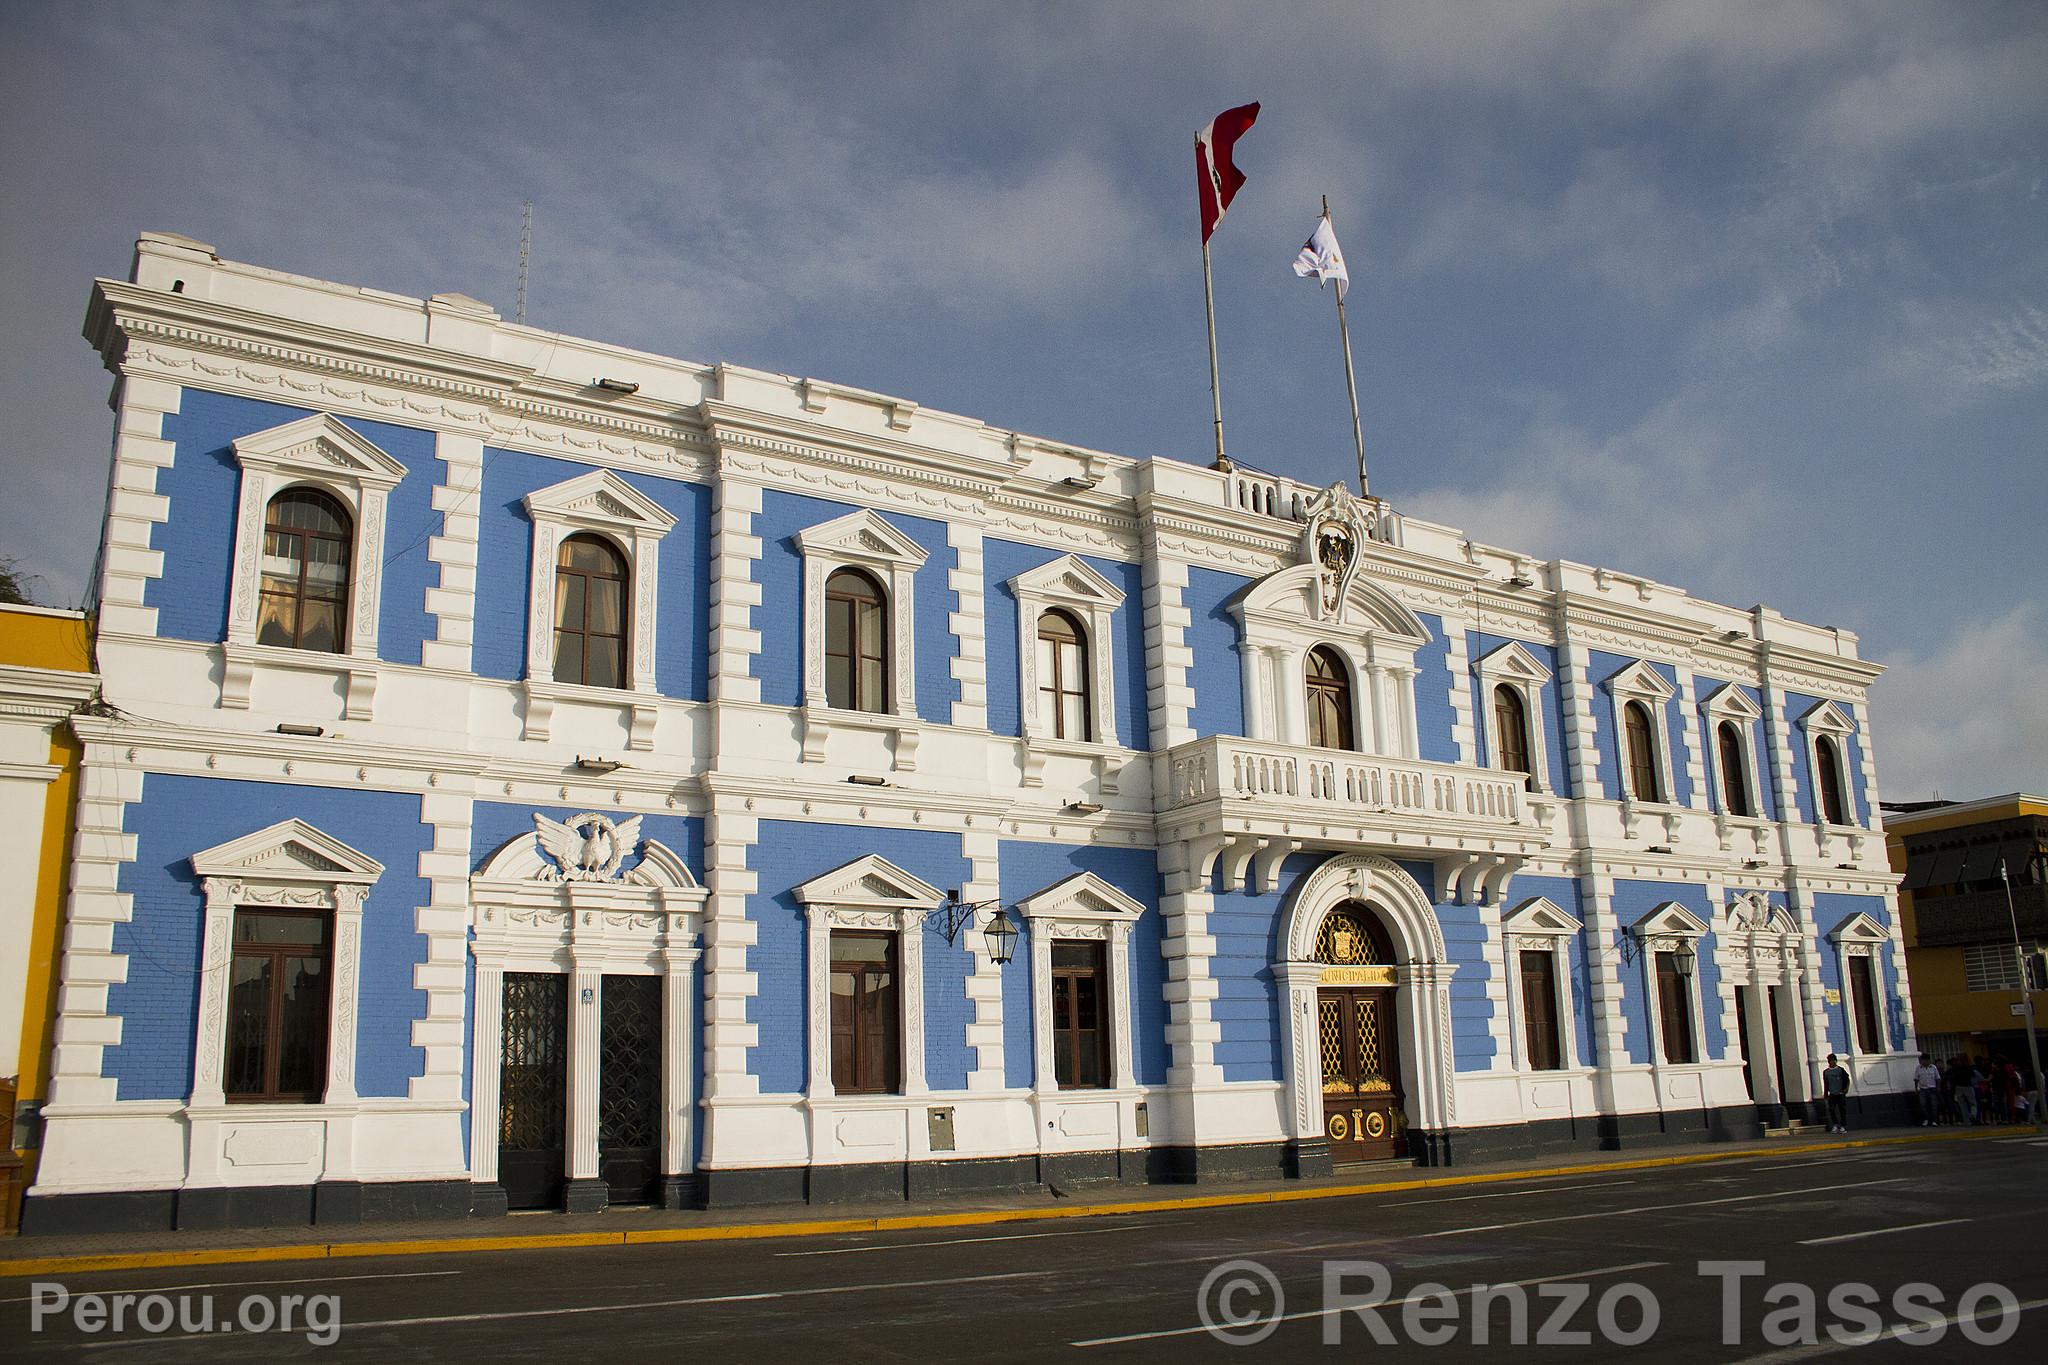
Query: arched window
(1828, 759)
(1063, 676)
(1511, 731)
(856, 636)
(1642, 753)
(303, 603)
(590, 613)
(1329, 700)
(1734, 776)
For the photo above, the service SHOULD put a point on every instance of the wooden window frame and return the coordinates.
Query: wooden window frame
(346, 538)
(1863, 1014)
(1830, 797)
(857, 607)
(1511, 732)
(623, 564)
(1729, 742)
(1096, 971)
(860, 1054)
(1543, 984)
(1639, 751)
(1340, 689)
(273, 1021)
(1675, 1005)
(1053, 683)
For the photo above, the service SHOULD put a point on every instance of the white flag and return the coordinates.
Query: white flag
(1323, 258)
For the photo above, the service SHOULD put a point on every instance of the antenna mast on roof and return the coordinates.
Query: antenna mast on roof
(525, 254)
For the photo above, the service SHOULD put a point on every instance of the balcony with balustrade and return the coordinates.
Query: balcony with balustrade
(1257, 801)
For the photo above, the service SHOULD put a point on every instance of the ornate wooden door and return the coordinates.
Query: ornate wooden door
(1362, 1113)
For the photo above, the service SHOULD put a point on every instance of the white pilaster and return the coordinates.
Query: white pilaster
(586, 1005)
(444, 922)
(84, 1028)
(134, 507)
(729, 836)
(1459, 664)
(1191, 1030)
(1695, 747)
(453, 602)
(734, 593)
(1169, 697)
(485, 1042)
(969, 625)
(985, 982)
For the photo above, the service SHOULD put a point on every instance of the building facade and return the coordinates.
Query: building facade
(547, 774)
(45, 675)
(1958, 923)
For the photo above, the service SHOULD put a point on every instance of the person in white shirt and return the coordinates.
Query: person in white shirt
(1927, 1082)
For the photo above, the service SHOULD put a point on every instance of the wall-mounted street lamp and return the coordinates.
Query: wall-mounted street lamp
(1000, 933)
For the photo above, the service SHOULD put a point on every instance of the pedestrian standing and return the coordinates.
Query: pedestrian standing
(1927, 1081)
(1834, 1084)
(1965, 1088)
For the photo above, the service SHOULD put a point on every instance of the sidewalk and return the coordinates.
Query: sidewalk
(621, 1227)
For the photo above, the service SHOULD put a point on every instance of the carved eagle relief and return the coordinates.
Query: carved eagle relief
(587, 847)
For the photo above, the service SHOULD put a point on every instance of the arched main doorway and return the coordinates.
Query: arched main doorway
(1359, 1036)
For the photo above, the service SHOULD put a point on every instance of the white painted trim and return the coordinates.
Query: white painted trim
(1088, 908)
(1638, 681)
(1539, 924)
(1069, 583)
(862, 540)
(1514, 666)
(320, 452)
(869, 893)
(602, 504)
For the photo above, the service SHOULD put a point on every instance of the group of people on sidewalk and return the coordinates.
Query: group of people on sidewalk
(1972, 1090)
(1969, 1092)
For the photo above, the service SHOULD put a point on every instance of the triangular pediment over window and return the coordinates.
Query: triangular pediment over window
(1730, 700)
(1539, 915)
(1081, 896)
(1514, 660)
(1828, 719)
(1067, 580)
(320, 445)
(1640, 680)
(290, 850)
(872, 882)
(601, 498)
(1858, 928)
(862, 537)
(1670, 918)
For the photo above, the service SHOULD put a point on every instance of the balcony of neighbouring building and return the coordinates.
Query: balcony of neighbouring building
(1258, 801)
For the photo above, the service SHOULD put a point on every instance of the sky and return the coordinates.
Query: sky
(1749, 298)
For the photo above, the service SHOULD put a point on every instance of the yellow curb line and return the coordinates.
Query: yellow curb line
(141, 1260)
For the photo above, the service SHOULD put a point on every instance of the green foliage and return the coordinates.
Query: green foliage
(14, 583)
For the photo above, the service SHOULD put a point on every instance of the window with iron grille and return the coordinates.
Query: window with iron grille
(1990, 966)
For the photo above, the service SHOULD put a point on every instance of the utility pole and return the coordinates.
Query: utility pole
(2019, 959)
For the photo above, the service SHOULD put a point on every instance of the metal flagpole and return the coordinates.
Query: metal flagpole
(1215, 384)
(1350, 376)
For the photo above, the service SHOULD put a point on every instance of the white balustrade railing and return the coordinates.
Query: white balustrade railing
(1284, 774)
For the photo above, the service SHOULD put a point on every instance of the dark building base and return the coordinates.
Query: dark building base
(337, 1203)
(328, 1204)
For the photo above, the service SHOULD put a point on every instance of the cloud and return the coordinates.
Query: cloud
(1965, 719)
(1961, 356)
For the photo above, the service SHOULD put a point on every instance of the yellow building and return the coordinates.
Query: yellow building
(46, 673)
(1956, 921)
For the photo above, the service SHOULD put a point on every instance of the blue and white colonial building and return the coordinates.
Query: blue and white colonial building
(538, 773)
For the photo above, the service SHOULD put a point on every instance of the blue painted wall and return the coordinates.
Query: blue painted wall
(505, 551)
(789, 854)
(159, 1002)
(1765, 796)
(1217, 674)
(1601, 668)
(1247, 1009)
(1028, 867)
(1433, 683)
(1472, 1045)
(1798, 707)
(204, 482)
(1674, 738)
(1829, 910)
(779, 571)
(1550, 711)
(1633, 900)
(1003, 560)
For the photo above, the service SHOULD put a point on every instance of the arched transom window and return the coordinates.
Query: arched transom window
(1063, 676)
(591, 586)
(1351, 936)
(307, 548)
(856, 642)
(1329, 700)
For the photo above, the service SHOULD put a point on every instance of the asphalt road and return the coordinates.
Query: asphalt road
(1588, 1253)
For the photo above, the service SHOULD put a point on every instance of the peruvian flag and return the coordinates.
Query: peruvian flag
(1217, 176)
